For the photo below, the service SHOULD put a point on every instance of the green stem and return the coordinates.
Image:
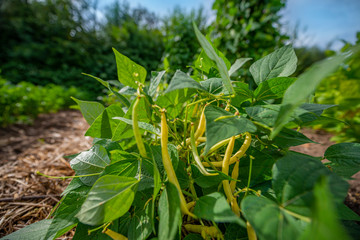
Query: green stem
(66, 177)
(105, 225)
(249, 179)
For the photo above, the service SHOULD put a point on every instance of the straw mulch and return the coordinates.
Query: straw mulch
(26, 197)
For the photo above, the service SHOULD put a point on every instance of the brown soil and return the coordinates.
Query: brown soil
(26, 197)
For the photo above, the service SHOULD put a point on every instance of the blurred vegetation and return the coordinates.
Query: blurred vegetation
(343, 89)
(46, 42)
(54, 41)
(181, 44)
(21, 103)
(248, 28)
(307, 56)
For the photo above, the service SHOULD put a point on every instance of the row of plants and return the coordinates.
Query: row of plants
(23, 102)
(206, 157)
(342, 88)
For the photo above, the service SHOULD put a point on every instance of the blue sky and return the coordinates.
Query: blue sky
(320, 21)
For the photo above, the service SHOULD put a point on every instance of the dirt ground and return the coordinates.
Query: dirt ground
(26, 197)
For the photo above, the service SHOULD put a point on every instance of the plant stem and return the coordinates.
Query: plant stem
(67, 177)
(249, 178)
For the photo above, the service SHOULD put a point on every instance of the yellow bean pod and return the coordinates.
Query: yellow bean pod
(234, 175)
(205, 231)
(239, 154)
(138, 139)
(115, 235)
(200, 129)
(250, 231)
(197, 157)
(226, 184)
(168, 165)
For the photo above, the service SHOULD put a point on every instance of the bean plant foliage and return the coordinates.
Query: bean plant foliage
(205, 157)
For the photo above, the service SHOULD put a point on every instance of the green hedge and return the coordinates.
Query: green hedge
(22, 103)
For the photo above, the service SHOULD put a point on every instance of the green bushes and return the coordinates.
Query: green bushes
(343, 89)
(54, 41)
(21, 103)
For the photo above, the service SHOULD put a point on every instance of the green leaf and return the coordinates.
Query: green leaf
(193, 236)
(143, 125)
(73, 185)
(237, 65)
(169, 212)
(344, 158)
(207, 181)
(213, 85)
(345, 213)
(156, 190)
(289, 137)
(154, 82)
(204, 64)
(109, 198)
(302, 88)
(211, 53)
(182, 175)
(293, 183)
(214, 207)
(90, 162)
(125, 168)
(181, 80)
(140, 225)
(82, 230)
(224, 128)
(147, 174)
(174, 101)
(107, 144)
(268, 114)
(128, 71)
(325, 223)
(124, 130)
(242, 93)
(235, 232)
(280, 63)
(269, 220)
(120, 155)
(261, 167)
(273, 88)
(90, 110)
(104, 125)
(64, 218)
(35, 231)
(318, 109)
(123, 99)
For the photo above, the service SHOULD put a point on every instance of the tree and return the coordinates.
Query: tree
(248, 28)
(180, 40)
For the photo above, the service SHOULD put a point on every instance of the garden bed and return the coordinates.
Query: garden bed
(26, 197)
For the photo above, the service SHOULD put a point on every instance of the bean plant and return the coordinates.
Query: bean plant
(205, 157)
